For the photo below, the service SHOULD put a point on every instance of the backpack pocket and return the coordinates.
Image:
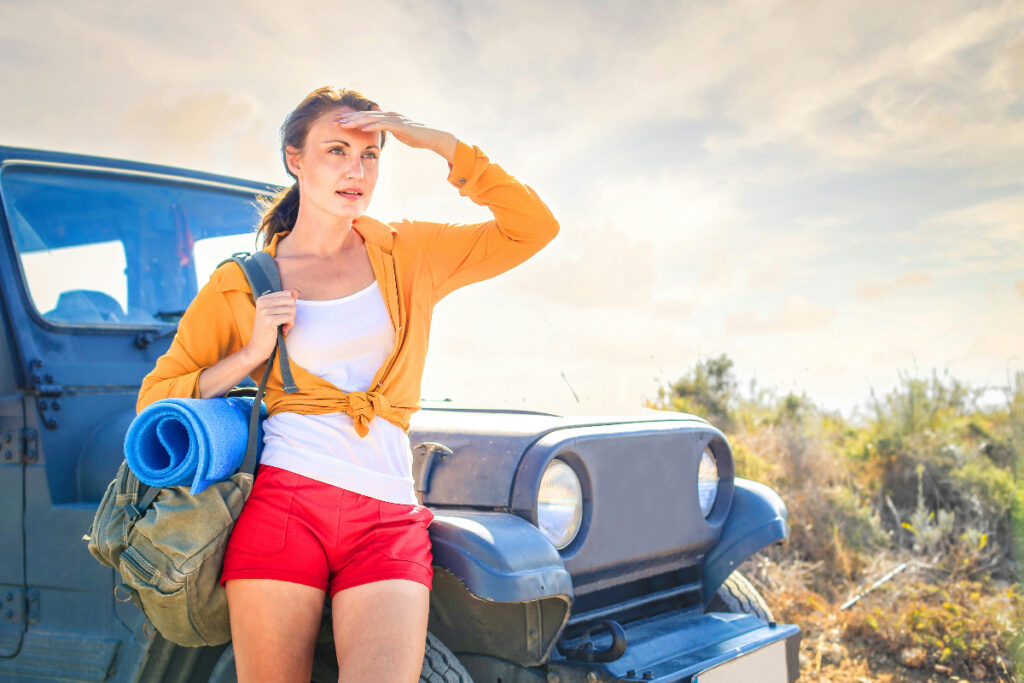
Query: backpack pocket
(162, 599)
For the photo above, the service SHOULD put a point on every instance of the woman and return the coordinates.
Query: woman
(333, 510)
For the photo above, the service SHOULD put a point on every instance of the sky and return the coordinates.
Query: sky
(830, 193)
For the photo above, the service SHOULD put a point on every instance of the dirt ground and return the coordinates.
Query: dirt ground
(836, 649)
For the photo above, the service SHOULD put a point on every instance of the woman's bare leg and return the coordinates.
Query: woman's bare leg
(380, 630)
(274, 625)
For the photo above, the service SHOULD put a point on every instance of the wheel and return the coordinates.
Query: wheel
(224, 670)
(440, 665)
(737, 595)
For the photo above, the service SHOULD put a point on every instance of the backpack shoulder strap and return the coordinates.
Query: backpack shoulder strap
(260, 271)
(263, 276)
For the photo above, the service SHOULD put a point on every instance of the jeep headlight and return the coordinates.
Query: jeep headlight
(559, 504)
(707, 481)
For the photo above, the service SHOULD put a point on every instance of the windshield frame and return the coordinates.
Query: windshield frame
(241, 187)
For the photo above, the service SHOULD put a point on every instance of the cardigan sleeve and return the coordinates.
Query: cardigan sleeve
(206, 333)
(459, 254)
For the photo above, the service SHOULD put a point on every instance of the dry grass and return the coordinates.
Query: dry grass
(916, 627)
(928, 482)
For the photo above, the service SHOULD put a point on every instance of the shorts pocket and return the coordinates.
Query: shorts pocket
(263, 524)
(402, 533)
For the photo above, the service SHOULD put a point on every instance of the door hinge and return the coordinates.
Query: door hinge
(18, 606)
(19, 447)
(47, 394)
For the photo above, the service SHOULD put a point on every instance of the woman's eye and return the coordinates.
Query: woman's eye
(336, 150)
(370, 155)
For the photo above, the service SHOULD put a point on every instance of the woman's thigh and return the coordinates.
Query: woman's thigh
(274, 625)
(380, 630)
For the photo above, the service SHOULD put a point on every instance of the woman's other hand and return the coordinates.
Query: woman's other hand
(277, 308)
(405, 131)
(272, 310)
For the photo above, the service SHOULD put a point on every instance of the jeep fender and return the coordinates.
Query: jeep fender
(500, 587)
(756, 519)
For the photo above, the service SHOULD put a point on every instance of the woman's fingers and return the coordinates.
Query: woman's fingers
(358, 118)
(274, 310)
(277, 309)
(284, 295)
(405, 131)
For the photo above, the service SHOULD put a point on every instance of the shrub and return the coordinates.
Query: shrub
(709, 390)
(927, 477)
(965, 626)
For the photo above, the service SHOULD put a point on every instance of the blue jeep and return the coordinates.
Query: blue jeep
(566, 549)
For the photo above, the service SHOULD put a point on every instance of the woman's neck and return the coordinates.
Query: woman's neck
(319, 235)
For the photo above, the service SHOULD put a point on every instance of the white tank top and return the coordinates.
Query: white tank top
(345, 341)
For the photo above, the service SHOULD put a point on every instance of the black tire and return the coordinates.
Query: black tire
(224, 670)
(737, 595)
(440, 665)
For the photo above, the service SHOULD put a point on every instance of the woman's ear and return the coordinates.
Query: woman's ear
(291, 157)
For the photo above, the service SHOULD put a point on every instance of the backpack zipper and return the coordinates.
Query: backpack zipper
(140, 565)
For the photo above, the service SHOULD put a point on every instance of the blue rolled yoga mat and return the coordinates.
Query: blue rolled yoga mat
(190, 441)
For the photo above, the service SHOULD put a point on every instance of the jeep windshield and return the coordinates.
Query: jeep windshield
(116, 249)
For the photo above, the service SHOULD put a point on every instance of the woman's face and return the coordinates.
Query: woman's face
(336, 168)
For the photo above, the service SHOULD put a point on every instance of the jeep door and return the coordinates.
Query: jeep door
(99, 262)
(13, 600)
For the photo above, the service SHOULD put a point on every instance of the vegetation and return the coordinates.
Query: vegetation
(921, 491)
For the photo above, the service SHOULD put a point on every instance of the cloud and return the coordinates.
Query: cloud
(985, 237)
(226, 127)
(795, 314)
(1006, 214)
(709, 158)
(892, 356)
(851, 84)
(998, 344)
(934, 87)
(596, 267)
(873, 290)
(674, 308)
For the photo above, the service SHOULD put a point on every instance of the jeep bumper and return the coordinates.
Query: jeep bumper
(684, 647)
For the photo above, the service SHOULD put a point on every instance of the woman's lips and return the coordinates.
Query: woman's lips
(349, 194)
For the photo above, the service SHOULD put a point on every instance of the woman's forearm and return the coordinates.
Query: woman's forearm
(225, 374)
(445, 145)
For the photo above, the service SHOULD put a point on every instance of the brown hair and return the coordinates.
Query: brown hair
(280, 211)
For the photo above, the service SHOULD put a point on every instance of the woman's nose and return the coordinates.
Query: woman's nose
(355, 169)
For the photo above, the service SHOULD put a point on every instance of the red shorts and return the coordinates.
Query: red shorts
(297, 529)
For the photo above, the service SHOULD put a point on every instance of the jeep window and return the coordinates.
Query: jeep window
(102, 248)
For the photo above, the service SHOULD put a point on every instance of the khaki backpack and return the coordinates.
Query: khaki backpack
(168, 544)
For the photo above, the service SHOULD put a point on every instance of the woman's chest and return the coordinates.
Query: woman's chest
(343, 340)
(319, 279)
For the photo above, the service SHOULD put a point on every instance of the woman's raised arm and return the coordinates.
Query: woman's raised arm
(459, 254)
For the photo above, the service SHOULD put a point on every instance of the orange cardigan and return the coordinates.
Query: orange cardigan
(415, 263)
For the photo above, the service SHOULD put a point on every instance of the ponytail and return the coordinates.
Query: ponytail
(279, 213)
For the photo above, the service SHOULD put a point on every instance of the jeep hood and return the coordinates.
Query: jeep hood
(488, 445)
